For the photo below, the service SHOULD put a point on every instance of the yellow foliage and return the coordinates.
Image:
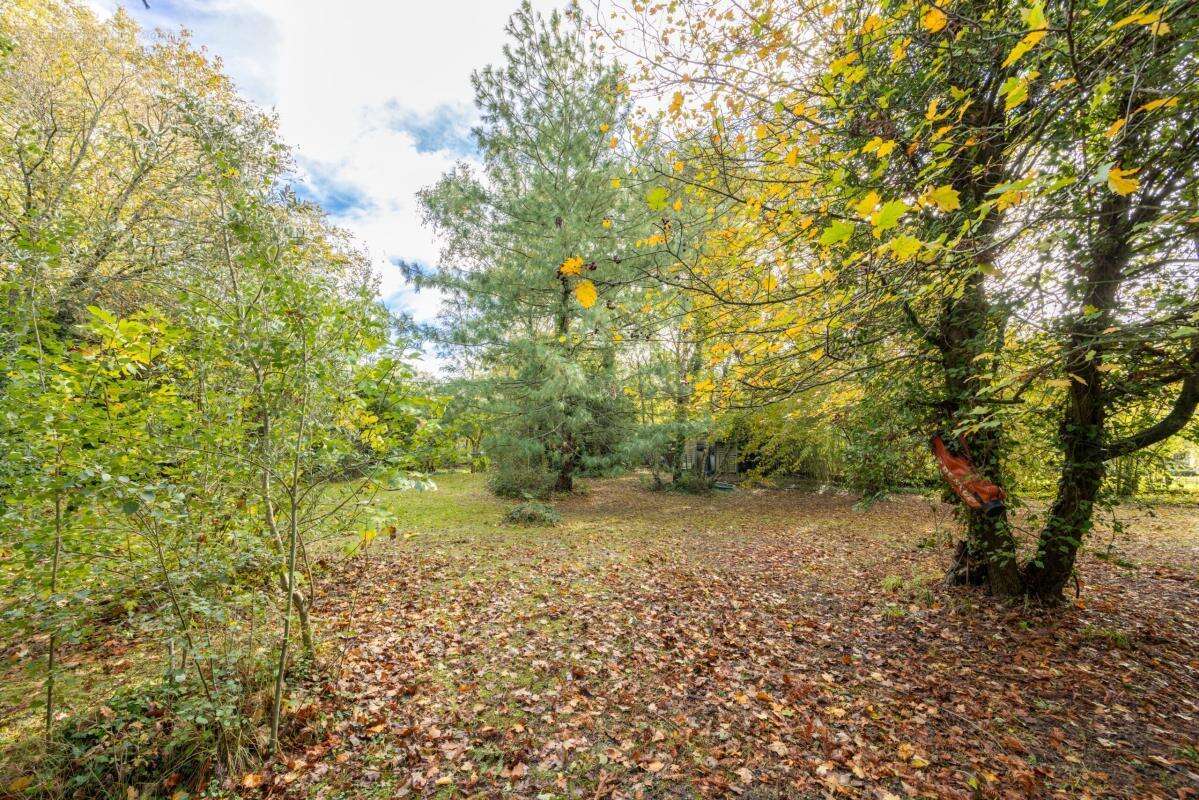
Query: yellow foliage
(1121, 181)
(585, 293)
(934, 20)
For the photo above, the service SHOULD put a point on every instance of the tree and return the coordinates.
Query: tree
(886, 185)
(535, 265)
(175, 356)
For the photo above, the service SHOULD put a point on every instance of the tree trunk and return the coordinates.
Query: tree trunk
(1082, 473)
(566, 481)
(987, 556)
(1069, 521)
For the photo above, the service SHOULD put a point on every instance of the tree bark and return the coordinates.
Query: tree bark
(987, 556)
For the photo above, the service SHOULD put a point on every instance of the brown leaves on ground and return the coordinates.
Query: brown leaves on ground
(658, 646)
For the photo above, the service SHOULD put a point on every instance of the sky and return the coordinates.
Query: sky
(373, 96)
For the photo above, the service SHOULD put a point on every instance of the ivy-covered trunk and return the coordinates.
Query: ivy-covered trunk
(987, 556)
(1085, 415)
(1070, 517)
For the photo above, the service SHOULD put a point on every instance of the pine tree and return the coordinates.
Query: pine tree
(534, 270)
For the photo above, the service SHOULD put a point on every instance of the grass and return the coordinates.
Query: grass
(660, 643)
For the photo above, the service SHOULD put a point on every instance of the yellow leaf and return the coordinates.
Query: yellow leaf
(1016, 95)
(678, 166)
(572, 266)
(934, 20)
(792, 157)
(18, 785)
(865, 207)
(1023, 46)
(613, 142)
(585, 293)
(1153, 105)
(676, 103)
(1121, 181)
(1114, 128)
(904, 247)
(872, 23)
(1130, 19)
(885, 148)
(946, 198)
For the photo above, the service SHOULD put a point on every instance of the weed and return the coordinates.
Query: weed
(1113, 637)
(532, 513)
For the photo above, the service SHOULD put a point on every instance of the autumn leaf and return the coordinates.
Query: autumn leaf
(1121, 181)
(585, 293)
(945, 198)
(1153, 105)
(889, 215)
(904, 247)
(1015, 92)
(252, 780)
(656, 197)
(836, 232)
(934, 20)
(865, 207)
(1034, 17)
(18, 785)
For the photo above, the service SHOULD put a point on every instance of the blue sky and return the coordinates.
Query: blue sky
(373, 96)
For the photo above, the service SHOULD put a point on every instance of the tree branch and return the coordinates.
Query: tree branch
(1182, 412)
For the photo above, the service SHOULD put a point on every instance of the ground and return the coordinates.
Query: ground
(758, 643)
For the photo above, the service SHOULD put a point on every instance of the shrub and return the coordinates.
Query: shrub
(532, 514)
(157, 740)
(692, 482)
(521, 483)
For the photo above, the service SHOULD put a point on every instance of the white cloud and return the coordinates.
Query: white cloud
(353, 84)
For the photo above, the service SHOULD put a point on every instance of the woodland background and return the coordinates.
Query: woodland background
(812, 234)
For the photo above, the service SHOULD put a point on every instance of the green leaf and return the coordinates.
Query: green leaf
(888, 216)
(656, 197)
(838, 231)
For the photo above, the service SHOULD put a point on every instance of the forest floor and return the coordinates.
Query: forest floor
(759, 643)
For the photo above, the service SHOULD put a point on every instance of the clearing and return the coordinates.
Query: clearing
(762, 643)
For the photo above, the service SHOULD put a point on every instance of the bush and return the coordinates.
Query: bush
(521, 483)
(532, 514)
(157, 740)
(691, 482)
